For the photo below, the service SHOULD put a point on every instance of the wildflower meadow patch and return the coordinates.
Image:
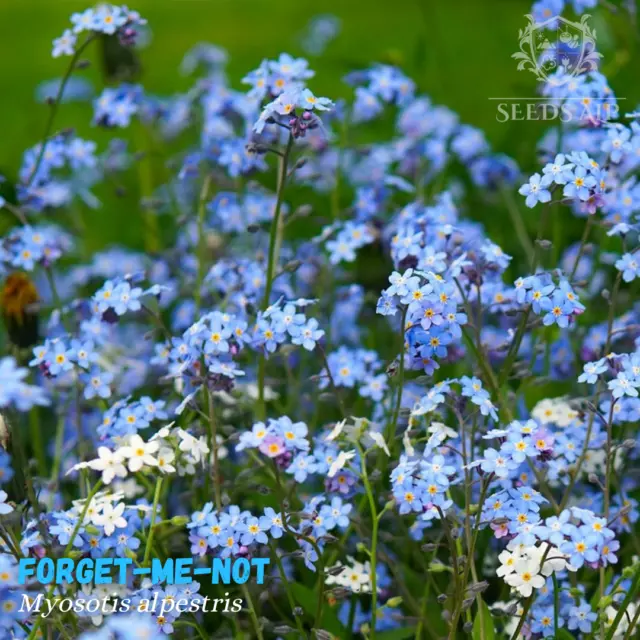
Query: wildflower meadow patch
(322, 402)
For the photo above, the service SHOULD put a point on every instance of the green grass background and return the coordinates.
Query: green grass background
(458, 52)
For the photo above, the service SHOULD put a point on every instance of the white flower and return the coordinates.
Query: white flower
(77, 467)
(186, 469)
(508, 562)
(378, 438)
(340, 461)
(111, 518)
(495, 433)
(564, 414)
(129, 488)
(144, 508)
(526, 577)
(623, 624)
(442, 431)
(165, 458)
(163, 434)
(110, 463)
(555, 411)
(595, 460)
(196, 447)
(4, 507)
(96, 505)
(356, 577)
(336, 431)
(553, 563)
(139, 453)
(254, 393)
(183, 405)
(406, 442)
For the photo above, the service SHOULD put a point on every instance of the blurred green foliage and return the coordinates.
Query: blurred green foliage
(459, 53)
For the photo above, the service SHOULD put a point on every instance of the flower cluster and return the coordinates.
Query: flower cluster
(581, 178)
(309, 345)
(107, 19)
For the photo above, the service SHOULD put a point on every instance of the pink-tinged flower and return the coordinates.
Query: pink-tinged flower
(272, 446)
(500, 530)
(542, 441)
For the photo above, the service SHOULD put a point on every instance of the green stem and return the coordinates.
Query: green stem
(154, 511)
(35, 431)
(311, 541)
(374, 541)
(332, 381)
(583, 242)
(275, 223)
(261, 409)
(213, 436)
(629, 598)
(56, 299)
(202, 240)
(55, 106)
(252, 612)
(632, 624)
(283, 163)
(523, 617)
(518, 223)
(514, 349)
(391, 428)
(285, 584)
(57, 456)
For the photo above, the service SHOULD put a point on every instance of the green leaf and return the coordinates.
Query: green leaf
(563, 634)
(397, 634)
(308, 600)
(483, 627)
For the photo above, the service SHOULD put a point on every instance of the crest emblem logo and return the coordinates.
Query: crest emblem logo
(557, 50)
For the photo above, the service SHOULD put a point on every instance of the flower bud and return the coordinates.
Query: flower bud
(292, 265)
(282, 629)
(394, 602)
(629, 572)
(479, 587)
